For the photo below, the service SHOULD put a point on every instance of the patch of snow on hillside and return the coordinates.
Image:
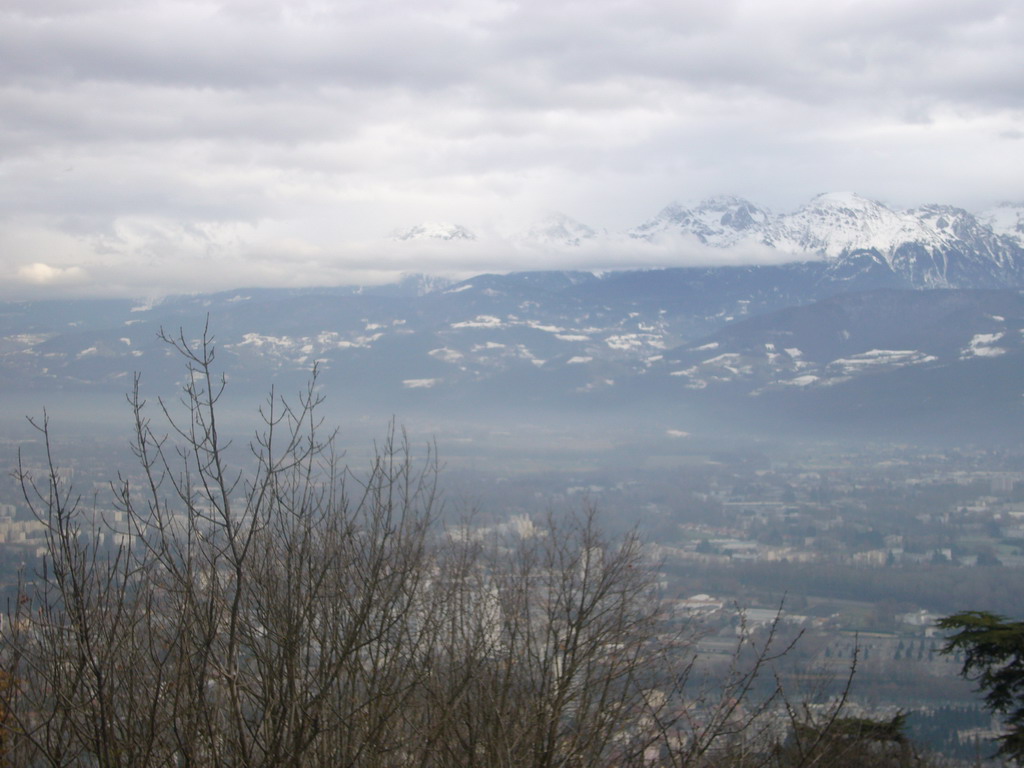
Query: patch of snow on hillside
(627, 342)
(446, 355)
(525, 354)
(801, 381)
(358, 341)
(480, 321)
(989, 351)
(259, 340)
(28, 339)
(591, 386)
(981, 346)
(624, 342)
(730, 362)
(541, 327)
(724, 359)
(986, 338)
(880, 357)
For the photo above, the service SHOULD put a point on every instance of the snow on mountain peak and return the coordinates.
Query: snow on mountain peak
(1006, 219)
(914, 243)
(932, 245)
(845, 201)
(720, 221)
(833, 223)
(557, 229)
(435, 231)
(733, 212)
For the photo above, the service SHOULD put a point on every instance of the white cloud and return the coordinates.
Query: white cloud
(38, 273)
(154, 137)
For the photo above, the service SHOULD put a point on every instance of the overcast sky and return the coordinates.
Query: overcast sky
(149, 147)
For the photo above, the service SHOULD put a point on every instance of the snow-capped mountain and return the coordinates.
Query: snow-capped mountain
(841, 328)
(435, 231)
(932, 246)
(558, 230)
(1006, 219)
(833, 224)
(720, 222)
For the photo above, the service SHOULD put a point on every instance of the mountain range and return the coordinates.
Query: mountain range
(899, 324)
(933, 246)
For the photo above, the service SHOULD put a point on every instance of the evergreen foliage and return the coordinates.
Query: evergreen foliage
(993, 656)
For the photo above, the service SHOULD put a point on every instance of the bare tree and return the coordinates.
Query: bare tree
(546, 652)
(228, 617)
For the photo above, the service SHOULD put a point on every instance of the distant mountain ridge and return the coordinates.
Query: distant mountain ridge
(766, 348)
(883, 362)
(434, 231)
(934, 246)
(559, 230)
(893, 319)
(931, 246)
(1006, 219)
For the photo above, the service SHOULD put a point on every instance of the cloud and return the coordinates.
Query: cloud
(38, 273)
(157, 132)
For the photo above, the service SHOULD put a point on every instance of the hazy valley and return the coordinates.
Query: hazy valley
(838, 435)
